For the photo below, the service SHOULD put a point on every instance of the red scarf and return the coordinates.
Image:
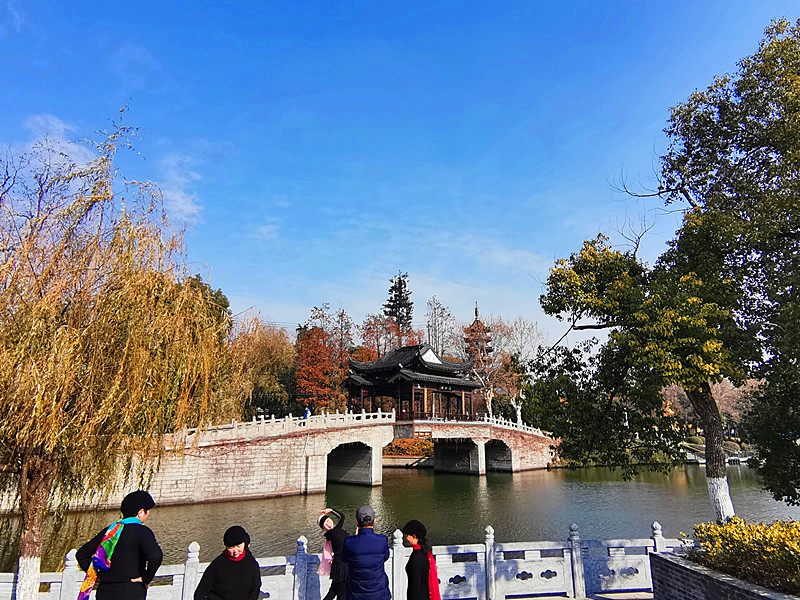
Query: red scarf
(433, 576)
(241, 556)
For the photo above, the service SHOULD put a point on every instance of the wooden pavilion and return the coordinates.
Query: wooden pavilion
(415, 382)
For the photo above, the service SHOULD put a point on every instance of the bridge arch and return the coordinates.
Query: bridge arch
(499, 456)
(355, 462)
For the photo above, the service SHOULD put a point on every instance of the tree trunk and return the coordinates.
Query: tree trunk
(35, 486)
(706, 408)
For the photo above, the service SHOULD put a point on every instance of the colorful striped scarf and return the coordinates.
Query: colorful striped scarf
(101, 561)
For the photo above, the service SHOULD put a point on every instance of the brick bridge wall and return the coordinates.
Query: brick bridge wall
(293, 463)
(289, 456)
(474, 447)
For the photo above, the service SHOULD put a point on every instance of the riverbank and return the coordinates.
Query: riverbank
(531, 505)
(407, 462)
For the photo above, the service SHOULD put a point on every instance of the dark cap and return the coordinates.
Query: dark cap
(136, 501)
(365, 512)
(234, 536)
(415, 528)
(324, 518)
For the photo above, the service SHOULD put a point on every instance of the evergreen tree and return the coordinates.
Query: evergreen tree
(399, 306)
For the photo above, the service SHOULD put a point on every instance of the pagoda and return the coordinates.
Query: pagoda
(416, 383)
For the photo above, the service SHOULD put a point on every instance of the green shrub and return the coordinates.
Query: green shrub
(409, 447)
(763, 554)
(696, 440)
(730, 446)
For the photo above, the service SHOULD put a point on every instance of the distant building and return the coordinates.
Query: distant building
(416, 383)
(477, 339)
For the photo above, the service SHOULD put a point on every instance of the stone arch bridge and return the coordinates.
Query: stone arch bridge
(276, 457)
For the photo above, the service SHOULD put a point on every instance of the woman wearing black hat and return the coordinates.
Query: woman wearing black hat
(123, 557)
(234, 574)
(423, 580)
(332, 553)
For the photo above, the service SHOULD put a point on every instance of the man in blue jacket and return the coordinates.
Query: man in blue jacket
(365, 554)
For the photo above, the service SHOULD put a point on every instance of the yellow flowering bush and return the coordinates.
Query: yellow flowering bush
(761, 553)
(409, 447)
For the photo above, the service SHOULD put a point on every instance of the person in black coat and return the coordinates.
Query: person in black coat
(136, 556)
(335, 535)
(421, 574)
(234, 574)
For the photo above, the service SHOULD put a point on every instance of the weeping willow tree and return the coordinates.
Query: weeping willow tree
(104, 346)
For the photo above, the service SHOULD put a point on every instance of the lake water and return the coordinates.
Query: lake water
(533, 505)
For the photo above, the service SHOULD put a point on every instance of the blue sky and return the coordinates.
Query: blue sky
(316, 148)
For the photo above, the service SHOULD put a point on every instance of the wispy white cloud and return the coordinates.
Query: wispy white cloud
(267, 231)
(134, 65)
(491, 252)
(48, 125)
(17, 16)
(177, 179)
(57, 133)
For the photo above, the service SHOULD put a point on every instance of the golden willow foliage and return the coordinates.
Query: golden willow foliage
(761, 553)
(103, 347)
(267, 356)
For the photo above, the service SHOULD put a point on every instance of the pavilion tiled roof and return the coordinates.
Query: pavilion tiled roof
(359, 380)
(408, 356)
(414, 376)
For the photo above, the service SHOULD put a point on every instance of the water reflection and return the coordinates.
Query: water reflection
(535, 505)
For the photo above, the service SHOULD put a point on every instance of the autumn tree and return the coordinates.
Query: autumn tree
(598, 416)
(268, 356)
(665, 327)
(440, 328)
(341, 339)
(375, 334)
(381, 334)
(499, 351)
(733, 161)
(323, 353)
(218, 302)
(106, 346)
(733, 402)
(515, 344)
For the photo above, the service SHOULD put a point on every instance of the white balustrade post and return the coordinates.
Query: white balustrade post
(398, 566)
(491, 563)
(191, 571)
(658, 538)
(300, 570)
(576, 558)
(70, 578)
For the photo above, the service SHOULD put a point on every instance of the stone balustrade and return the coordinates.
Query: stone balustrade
(487, 571)
(271, 427)
(508, 424)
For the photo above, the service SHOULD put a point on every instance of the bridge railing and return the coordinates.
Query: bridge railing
(487, 571)
(272, 427)
(508, 424)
